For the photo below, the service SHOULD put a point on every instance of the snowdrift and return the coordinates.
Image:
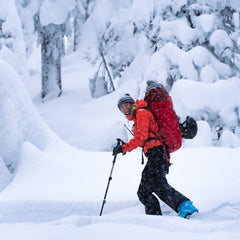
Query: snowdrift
(20, 124)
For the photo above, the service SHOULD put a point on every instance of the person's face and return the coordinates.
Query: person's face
(125, 108)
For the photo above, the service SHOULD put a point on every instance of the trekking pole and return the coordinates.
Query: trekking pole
(128, 129)
(109, 179)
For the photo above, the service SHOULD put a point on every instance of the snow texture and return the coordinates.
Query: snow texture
(55, 11)
(56, 157)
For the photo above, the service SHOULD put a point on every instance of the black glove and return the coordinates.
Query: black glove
(117, 150)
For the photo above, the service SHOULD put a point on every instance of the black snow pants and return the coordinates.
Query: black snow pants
(154, 181)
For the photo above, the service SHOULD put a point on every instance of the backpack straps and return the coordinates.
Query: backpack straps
(147, 140)
(165, 147)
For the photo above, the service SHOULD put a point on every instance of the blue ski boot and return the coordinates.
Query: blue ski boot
(186, 209)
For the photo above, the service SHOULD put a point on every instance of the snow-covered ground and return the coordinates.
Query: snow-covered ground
(58, 190)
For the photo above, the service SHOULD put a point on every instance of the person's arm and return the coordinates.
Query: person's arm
(140, 131)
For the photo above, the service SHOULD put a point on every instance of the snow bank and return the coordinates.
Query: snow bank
(220, 97)
(48, 186)
(19, 120)
(197, 98)
(65, 174)
(196, 173)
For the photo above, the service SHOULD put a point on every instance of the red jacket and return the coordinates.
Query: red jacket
(144, 128)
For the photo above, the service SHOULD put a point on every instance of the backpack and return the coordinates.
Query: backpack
(160, 104)
(189, 128)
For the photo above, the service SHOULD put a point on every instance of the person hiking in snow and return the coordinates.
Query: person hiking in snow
(153, 179)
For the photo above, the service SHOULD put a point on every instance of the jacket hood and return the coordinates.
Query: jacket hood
(139, 104)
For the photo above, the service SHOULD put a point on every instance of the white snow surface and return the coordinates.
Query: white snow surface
(62, 149)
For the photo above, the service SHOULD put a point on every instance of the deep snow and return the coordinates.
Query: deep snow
(62, 151)
(57, 192)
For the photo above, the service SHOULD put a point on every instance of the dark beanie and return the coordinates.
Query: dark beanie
(126, 98)
(152, 84)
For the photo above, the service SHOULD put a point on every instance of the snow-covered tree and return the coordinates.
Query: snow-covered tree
(20, 122)
(174, 40)
(106, 58)
(51, 29)
(81, 12)
(26, 10)
(52, 48)
(12, 45)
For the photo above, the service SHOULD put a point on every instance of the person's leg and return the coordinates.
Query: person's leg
(163, 190)
(145, 190)
(169, 195)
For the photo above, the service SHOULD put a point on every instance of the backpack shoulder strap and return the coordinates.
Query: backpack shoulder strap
(158, 137)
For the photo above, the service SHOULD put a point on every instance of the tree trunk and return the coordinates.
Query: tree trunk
(51, 65)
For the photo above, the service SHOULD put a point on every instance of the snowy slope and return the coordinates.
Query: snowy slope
(57, 191)
(62, 149)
